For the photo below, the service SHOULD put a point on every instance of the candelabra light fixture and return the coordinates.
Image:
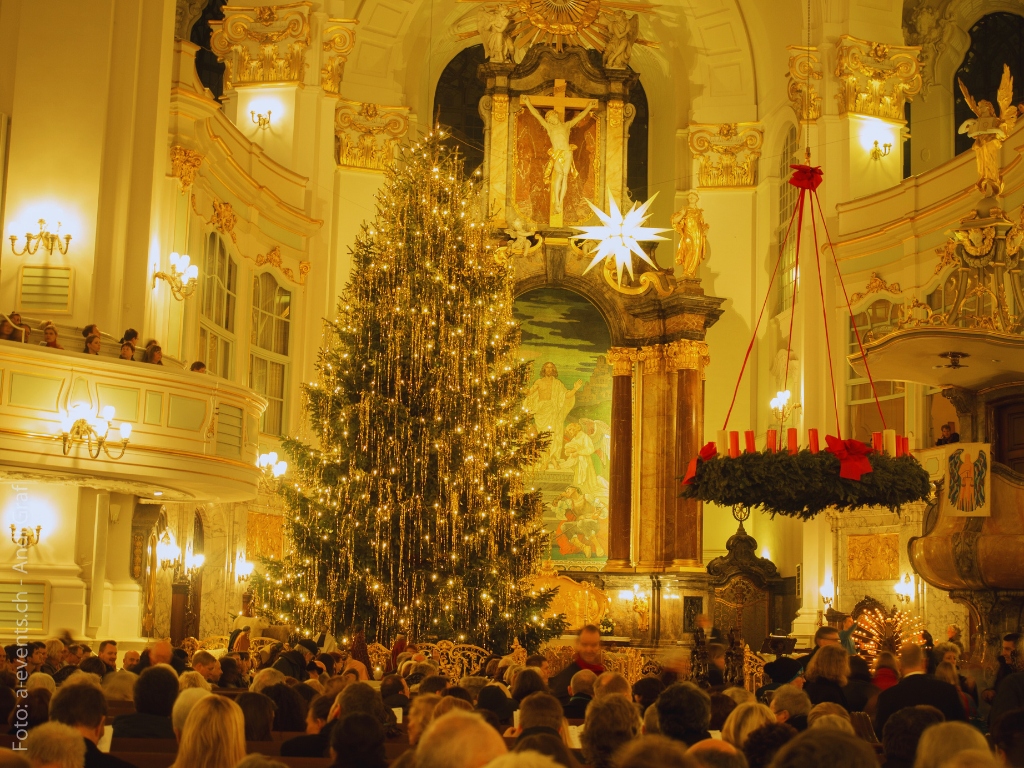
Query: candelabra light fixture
(183, 277)
(261, 121)
(193, 562)
(272, 470)
(905, 589)
(79, 426)
(878, 152)
(828, 593)
(782, 409)
(642, 608)
(49, 241)
(27, 538)
(168, 553)
(243, 569)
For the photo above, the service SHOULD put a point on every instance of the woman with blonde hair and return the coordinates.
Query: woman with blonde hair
(213, 736)
(193, 680)
(744, 720)
(119, 686)
(827, 673)
(54, 657)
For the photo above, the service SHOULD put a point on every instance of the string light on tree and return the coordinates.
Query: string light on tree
(620, 236)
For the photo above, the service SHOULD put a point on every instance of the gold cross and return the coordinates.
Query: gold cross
(559, 101)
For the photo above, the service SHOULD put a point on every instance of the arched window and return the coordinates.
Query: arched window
(217, 317)
(636, 147)
(873, 323)
(996, 39)
(788, 195)
(268, 352)
(210, 71)
(457, 101)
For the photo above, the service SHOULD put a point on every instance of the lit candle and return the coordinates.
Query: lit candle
(734, 444)
(876, 440)
(771, 441)
(749, 437)
(889, 441)
(812, 440)
(791, 439)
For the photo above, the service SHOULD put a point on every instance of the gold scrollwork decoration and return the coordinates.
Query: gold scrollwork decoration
(976, 241)
(185, 164)
(367, 135)
(499, 107)
(876, 284)
(338, 41)
(804, 68)
(876, 79)
(728, 153)
(262, 45)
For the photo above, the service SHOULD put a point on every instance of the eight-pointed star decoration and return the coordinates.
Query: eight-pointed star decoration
(620, 236)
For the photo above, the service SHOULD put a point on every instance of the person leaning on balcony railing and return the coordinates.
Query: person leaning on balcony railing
(7, 330)
(92, 345)
(127, 351)
(198, 367)
(50, 336)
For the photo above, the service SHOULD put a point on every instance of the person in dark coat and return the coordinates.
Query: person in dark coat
(154, 694)
(582, 690)
(827, 674)
(917, 688)
(84, 707)
(903, 731)
(316, 742)
(859, 690)
(1010, 696)
(395, 693)
(588, 656)
(293, 663)
(822, 637)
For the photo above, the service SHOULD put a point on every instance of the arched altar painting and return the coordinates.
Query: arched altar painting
(570, 395)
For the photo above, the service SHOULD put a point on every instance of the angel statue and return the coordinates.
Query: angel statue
(519, 237)
(693, 236)
(967, 480)
(623, 31)
(989, 131)
(494, 23)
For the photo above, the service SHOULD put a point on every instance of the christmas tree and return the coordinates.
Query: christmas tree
(411, 513)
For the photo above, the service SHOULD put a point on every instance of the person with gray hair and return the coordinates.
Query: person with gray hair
(474, 685)
(459, 740)
(183, 705)
(581, 693)
(266, 678)
(715, 753)
(943, 741)
(791, 705)
(684, 712)
(55, 745)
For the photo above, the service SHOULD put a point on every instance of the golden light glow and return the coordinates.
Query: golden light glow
(620, 236)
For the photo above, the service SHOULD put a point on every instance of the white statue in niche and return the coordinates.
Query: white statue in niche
(560, 165)
(623, 31)
(494, 23)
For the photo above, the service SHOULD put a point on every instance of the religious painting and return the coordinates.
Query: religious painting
(968, 491)
(873, 557)
(570, 396)
(531, 194)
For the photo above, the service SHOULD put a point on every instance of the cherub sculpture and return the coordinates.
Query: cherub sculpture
(623, 31)
(494, 24)
(989, 131)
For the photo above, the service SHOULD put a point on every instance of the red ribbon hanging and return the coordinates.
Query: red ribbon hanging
(706, 453)
(806, 177)
(852, 455)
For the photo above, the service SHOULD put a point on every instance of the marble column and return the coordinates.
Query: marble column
(620, 485)
(656, 512)
(687, 359)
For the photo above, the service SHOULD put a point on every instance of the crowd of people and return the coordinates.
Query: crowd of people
(217, 706)
(12, 328)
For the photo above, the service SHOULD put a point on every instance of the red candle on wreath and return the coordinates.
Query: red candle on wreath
(906, 446)
(876, 441)
(812, 440)
(748, 436)
(791, 440)
(734, 444)
(899, 445)
(771, 440)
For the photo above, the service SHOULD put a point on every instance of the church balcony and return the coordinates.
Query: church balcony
(193, 436)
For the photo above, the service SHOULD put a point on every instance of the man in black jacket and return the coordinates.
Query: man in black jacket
(154, 694)
(395, 693)
(582, 691)
(915, 688)
(684, 713)
(83, 707)
(317, 740)
(293, 663)
(588, 656)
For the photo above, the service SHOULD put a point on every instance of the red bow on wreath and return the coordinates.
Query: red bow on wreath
(805, 177)
(706, 453)
(852, 455)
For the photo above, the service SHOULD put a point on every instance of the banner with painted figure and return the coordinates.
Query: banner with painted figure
(968, 480)
(570, 396)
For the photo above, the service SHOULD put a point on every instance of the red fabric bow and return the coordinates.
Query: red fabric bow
(805, 177)
(706, 453)
(852, 455)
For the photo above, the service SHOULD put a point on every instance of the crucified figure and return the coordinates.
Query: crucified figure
(560, 164)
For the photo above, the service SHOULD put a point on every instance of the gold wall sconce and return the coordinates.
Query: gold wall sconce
(905, 590)
(878, 152)
(183, 277)
(260, 121)
(49, 240)
(27, 538)
(78, 426)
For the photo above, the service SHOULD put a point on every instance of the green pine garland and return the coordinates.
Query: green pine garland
(805, 484)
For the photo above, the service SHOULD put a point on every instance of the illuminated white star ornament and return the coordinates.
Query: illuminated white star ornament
(621, 235)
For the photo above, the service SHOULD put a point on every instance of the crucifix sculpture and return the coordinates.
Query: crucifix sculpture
(560, 164)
